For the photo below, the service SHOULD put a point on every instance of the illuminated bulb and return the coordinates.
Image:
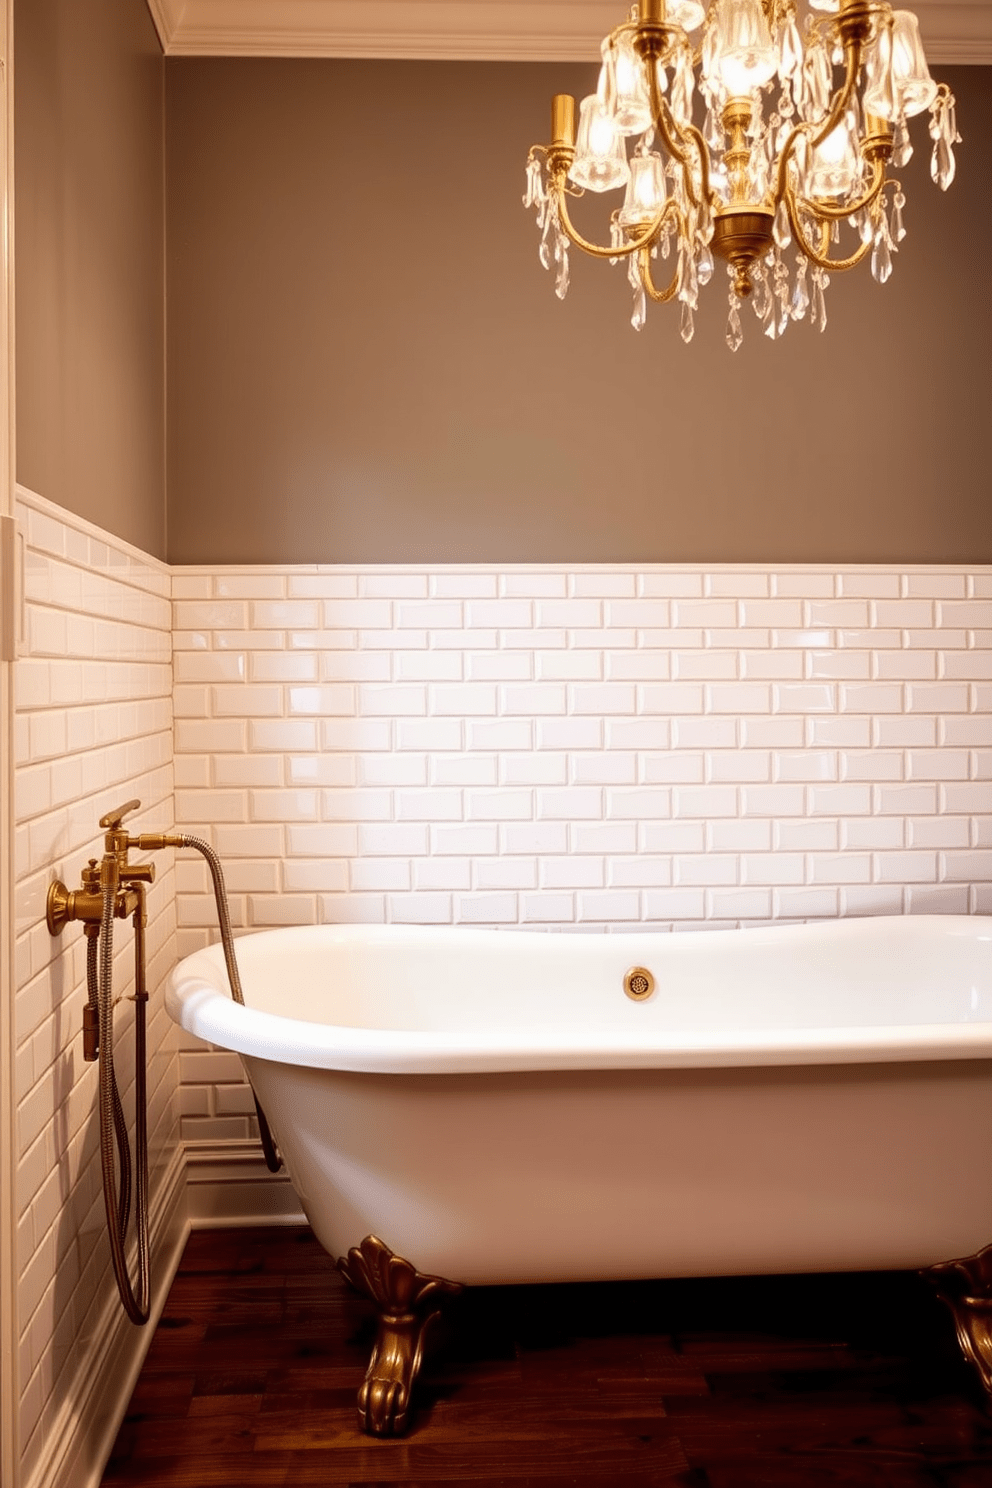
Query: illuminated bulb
(912, 84)
(835, 165)
(631, 105)
(600, 163)
(645, 191)
(742, 56)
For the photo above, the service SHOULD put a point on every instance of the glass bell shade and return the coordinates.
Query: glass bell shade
(645, 191)
(835, 165)
(685, 13)
(912, 84)
(600, 162)
(623, 87)
(741, 53)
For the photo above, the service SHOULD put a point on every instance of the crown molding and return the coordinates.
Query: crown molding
(468, 30)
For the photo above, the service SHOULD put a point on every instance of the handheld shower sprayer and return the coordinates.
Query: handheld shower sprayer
(115, 888)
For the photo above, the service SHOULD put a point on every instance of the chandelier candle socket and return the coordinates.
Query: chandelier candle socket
(789, 146)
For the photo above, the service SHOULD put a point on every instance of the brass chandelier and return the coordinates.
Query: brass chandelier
(798, 132)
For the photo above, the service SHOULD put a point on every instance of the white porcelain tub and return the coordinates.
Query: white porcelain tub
(495, 1108)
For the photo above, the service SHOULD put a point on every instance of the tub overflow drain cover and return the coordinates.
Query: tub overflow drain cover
(638, 983)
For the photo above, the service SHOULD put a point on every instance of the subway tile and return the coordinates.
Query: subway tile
(322, 875)
(547, 909)
(869, 585)
(393, 585)
(278, 737)
(466, 769)
(533, 584)
(544, 837)
(597, 837)
(533, 699)
(736, 585)
(738, 836)
(442, 873)
(283, 666)
(669, 836)
(248, 586)
(420, 909)
(573, 873)
(327, 839)
(606, 585)
(678, 768)
(506, 873)
(351, 804)
(738, 767)
(330, 701)
(464, 586)
(322, 769)
(614, 906)
(675, 904)
(704, 801)
(499, 734)
(574, 803)
(739, 904)
(352, 909)
(805, 903)
(670, 585)
(641, 872)
(402, 701)
(906, 867)
(879, 764)
(878, 832)
(357, 614)
(394, 839)
(463, 700)
(429, 666)
(498, 666)
(486, 909)
(430, 615)
(771, 868)
(367, 734)
(705, 869)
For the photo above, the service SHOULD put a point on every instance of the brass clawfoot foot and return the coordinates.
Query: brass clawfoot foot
(408, 1304)
(966, 1287)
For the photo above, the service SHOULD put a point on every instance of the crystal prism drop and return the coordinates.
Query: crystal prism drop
(942, 165)
(781, 232)
(902, 145)
(688, 326)
(800, 294)
(704, 265)
(550, 221)
(881, 259)
(863, 225)
(735, 331)
(713, 131)
(639, 314)
(820, 282)
(898, 226)
(561, 261)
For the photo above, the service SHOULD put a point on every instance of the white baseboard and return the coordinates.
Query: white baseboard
(228, 1185)
(80, 1442)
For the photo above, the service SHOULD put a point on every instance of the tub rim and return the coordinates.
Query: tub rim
(205, 1008)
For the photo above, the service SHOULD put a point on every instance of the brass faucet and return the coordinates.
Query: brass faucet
(126, 878)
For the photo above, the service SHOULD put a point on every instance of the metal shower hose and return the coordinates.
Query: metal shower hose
(112, 1123)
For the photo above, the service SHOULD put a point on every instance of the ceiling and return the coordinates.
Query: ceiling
(495, 30)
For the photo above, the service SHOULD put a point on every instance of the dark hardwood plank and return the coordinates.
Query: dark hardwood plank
(784, 1382)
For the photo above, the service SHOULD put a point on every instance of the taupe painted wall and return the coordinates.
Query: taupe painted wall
(89, 261)
(366, 361)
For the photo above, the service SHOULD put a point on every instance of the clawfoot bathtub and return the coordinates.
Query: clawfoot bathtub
(459, 1106)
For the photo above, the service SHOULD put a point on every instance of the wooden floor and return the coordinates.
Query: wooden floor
(815, 1382)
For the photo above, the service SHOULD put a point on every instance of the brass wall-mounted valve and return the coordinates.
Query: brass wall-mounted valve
(86, 902)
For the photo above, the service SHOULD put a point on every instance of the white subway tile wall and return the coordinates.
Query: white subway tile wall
(93, 728)
(592, 748)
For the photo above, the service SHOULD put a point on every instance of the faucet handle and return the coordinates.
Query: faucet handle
(112, 821)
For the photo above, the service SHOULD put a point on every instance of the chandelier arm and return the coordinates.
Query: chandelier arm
(667, 128)
(624, 250)
(819, 258)
(660, 296)
(853, 53)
